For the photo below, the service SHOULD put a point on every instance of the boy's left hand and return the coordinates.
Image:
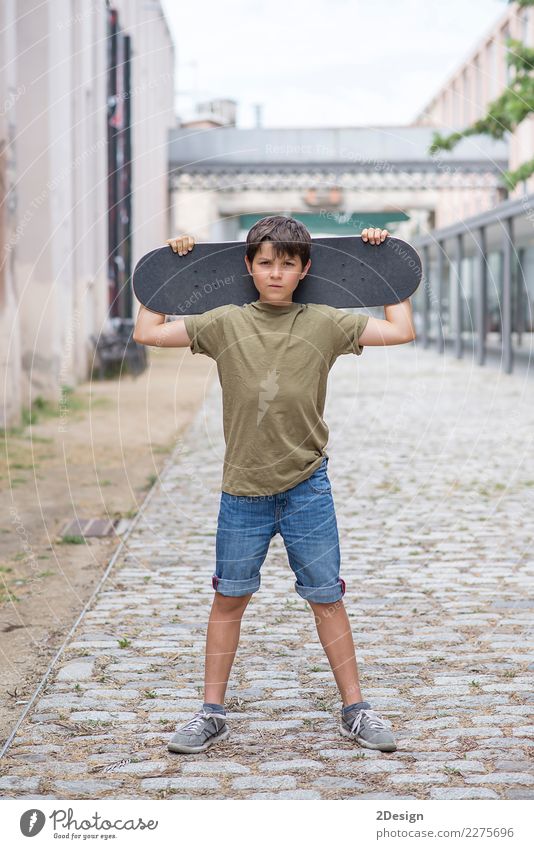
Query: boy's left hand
(374, 235)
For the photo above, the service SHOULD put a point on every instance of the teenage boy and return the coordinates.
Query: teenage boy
(273, 358)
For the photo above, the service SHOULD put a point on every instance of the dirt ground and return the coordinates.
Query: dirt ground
(95, 454)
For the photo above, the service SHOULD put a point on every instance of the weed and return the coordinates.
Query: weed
(8, 595)
(151, 480)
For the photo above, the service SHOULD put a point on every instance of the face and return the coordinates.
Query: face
(276, 278)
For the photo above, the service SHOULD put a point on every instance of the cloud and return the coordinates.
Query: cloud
(324, 63)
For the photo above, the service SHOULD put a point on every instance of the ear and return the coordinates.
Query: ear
(305, 270)
(247, 263)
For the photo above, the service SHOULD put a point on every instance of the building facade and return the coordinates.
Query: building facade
(474, 84)
(83, 169)
(477, 296)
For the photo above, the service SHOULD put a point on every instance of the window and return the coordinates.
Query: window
(492, 69)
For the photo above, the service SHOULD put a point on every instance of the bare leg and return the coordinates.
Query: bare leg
(335, 633)
(224, 627)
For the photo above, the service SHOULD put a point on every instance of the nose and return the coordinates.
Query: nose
(276, 271)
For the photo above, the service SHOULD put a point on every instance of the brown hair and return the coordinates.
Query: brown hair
(288, 236)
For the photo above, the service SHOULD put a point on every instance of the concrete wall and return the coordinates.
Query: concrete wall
(10, 94)
(53, 172)
(61, 191)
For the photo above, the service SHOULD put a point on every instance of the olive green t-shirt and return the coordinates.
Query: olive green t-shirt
(273, 364)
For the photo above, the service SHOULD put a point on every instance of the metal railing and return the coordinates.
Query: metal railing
(477, 288)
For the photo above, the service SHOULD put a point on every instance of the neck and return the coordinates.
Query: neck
(276, 303)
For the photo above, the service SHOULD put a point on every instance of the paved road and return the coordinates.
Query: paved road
(433, 477)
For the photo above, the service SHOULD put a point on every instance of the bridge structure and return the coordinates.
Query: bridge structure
(337, 181)
(476, 246)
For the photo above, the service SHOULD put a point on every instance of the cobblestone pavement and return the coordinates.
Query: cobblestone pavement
(433, 479)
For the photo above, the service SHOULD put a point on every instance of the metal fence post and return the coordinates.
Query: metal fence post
(458, 342)
(481, 294)
(440, 345)
(426, 299)
(506, 336)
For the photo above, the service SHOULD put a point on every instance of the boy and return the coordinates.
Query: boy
(273, 358)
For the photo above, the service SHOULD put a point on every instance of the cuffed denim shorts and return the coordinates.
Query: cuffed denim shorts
(304, 516)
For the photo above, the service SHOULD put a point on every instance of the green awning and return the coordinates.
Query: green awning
(335, 223)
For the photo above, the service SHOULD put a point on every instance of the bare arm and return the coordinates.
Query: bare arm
(150, 327)
(397, 327)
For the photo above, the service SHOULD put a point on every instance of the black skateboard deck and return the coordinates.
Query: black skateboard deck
(345, 271)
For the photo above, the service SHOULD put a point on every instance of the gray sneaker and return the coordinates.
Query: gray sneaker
(366, 727)
(200, 733)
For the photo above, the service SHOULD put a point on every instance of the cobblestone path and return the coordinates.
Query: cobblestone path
(432, 466)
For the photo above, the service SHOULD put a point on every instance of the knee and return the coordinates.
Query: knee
(325, 610)
(231, 604)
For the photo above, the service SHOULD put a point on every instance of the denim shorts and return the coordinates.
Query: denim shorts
(304, 516)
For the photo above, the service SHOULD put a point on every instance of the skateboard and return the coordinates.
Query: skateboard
(345, 271)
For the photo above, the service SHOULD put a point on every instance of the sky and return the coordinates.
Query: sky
(323, 63)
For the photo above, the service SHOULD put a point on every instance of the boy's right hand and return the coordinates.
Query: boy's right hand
(181, 244)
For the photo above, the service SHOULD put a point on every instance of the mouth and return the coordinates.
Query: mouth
(274, 286)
